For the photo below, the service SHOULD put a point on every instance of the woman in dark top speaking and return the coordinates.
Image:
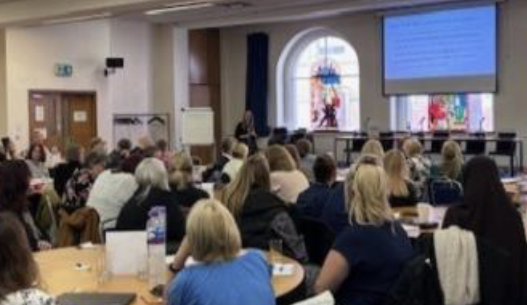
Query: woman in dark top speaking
(246, 133)
(487, 211)
(371, 251)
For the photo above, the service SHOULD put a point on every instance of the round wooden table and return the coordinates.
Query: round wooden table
(59, 273)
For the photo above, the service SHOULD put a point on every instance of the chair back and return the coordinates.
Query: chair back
(445, 191)
(475, 147)
(358, 144)
(318, 238)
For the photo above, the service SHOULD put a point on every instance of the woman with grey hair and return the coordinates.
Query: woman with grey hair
(152, 178)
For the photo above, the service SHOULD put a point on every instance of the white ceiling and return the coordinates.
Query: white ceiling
(32, 12)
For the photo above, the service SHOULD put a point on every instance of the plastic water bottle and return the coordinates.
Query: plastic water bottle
(156, 230)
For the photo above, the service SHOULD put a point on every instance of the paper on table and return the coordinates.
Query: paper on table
(283, 269)
(325, 298)
(120, 260)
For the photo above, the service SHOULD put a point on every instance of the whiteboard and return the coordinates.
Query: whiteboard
(197, 126)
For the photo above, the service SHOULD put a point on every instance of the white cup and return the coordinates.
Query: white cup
(424, 212)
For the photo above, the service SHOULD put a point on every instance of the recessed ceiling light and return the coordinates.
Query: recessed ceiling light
(180, 7)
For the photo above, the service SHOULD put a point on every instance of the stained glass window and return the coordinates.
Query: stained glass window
(326, 86)
(461, 112)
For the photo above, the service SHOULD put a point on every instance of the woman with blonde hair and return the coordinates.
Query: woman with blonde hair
(286, 179)
(401, 190)
(451, 161)
(239, 155)
(369, 254)
(260, 214)
(373, 147)
(418, 164)
(182, 181)
(223, 272)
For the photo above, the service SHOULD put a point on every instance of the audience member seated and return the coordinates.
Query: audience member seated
(119, 154)
(401, 190)
(373, 147)
(79, 186)
(14, 190)
(98, 145)
(221, 272)
(311, 202)
(307, 159)
(182, 184)
(54, 158)
(19, 275)
(286, 180)
(36, 162)
(64, 171)
(112, 190)
(487, 211)
(212, 174)
(261, 215)
(145, 147)
(418, 164)
(451, 161)
(39, 139)
(370, 253)
(9, 149)
(152, 178)
(163, 153)
(231, 169)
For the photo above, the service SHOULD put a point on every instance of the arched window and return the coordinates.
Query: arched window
(320, 84)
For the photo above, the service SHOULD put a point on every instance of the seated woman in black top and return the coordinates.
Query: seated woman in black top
(181, 182)
(401, 191)
(370, 253)
(152, 178)
(64, 171)
(487, 211)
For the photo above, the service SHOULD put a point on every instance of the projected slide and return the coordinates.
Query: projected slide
(441, 51)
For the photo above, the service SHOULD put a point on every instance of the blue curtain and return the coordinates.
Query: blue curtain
(256, 93)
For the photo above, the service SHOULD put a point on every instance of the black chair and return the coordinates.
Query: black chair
(318, 238)
(357, 144)
(444, 191)
(506, 146)
(438, 139)
(387, 140)
(476, 145)
(278, 136)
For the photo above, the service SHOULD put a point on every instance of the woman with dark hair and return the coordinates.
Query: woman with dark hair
(487, 211)
(36, 161)
(9, 148)
(19, 278)
(14, 189)
(63, 172)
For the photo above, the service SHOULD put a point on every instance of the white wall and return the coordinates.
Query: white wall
(363, 31)
(33, 52)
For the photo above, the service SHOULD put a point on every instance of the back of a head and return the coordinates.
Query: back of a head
(373, 147)
(397, 172)
(152, 173)
(95, 158)
(18, 270)
(369, 202)
(451, 159)
(14, 186)
(162, 145)
(124, 144)
(240, 151)
(131, 163)
(279, 159)
(451, 151)
(227, 145)
(324, 169)
(254, 174)
(181, 175)
(412, 148)
(212, 233)
(73, 153)
(304, 147)
(291, 149)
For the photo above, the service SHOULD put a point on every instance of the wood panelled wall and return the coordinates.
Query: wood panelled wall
(204, 52)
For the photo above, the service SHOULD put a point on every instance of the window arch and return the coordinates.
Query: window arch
(318, 83)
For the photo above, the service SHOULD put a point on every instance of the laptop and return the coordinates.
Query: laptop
(96, 299)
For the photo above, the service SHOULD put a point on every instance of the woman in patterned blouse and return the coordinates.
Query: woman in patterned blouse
(18, 270)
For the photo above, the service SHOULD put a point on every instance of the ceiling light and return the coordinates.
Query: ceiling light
(180, 7)
(76, 19)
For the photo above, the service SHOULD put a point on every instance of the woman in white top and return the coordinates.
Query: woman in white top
(36, 161)
(287, 181)
(239, 154)
(18, 270)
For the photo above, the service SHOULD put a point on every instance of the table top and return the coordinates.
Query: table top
(60, 275)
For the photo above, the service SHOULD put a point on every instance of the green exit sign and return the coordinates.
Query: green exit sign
(63, 70)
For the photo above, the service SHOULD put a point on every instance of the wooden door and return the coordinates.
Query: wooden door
(79, 117)
(63, 117)
(43, 110)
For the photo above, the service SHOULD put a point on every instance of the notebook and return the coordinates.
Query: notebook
(96, 298)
